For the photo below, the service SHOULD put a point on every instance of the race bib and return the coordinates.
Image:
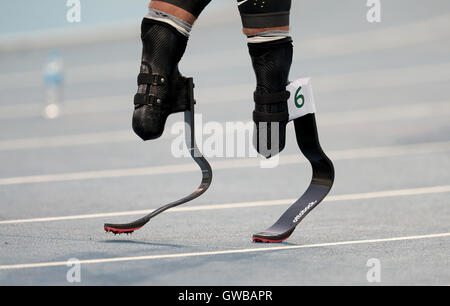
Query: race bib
(301, 101)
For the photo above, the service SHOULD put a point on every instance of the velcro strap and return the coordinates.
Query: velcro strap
(273, 98)
(142, 99)
(270, 117)
(150, 79)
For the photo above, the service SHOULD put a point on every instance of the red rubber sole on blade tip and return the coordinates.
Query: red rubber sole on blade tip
(120, 231)
(263, 240)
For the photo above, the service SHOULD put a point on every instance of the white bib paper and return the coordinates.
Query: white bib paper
(301, 101)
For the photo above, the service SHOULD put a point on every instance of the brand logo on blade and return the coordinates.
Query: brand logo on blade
(310, 205)
(299, 96)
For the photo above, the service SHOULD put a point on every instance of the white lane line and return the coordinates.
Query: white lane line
(425, 31)
(68, 140)
(225, 252)
(373, 79)
(92, 105)
(393, 37)
(22, 110)
(331, 198)
(362, 153)
(385, 113)
(369, 115)
(397, 36)
(111, 32)
(383, 78)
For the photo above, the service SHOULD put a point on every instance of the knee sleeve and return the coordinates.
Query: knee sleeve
(264, 14)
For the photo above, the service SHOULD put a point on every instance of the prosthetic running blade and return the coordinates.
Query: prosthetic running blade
(321, 183)
(198, 158)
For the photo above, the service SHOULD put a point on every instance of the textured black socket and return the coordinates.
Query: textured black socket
(161, 87)
(271, 63)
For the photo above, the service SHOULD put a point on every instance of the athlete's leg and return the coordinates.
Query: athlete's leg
(164, 33)
(266, 24)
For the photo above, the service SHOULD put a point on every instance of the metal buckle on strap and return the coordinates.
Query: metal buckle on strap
(158, 79)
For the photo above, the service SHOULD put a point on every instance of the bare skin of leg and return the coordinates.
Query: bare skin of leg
(172, 10)
(255, 31)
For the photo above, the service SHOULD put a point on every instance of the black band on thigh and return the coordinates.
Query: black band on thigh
(268, 20)
(264, 13)
(195, 7)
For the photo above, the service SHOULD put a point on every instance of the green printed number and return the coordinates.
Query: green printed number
(299, 96)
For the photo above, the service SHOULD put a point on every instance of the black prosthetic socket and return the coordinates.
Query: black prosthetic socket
(271, 63)
(161, 88)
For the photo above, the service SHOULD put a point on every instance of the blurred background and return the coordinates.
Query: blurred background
(66, 101)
